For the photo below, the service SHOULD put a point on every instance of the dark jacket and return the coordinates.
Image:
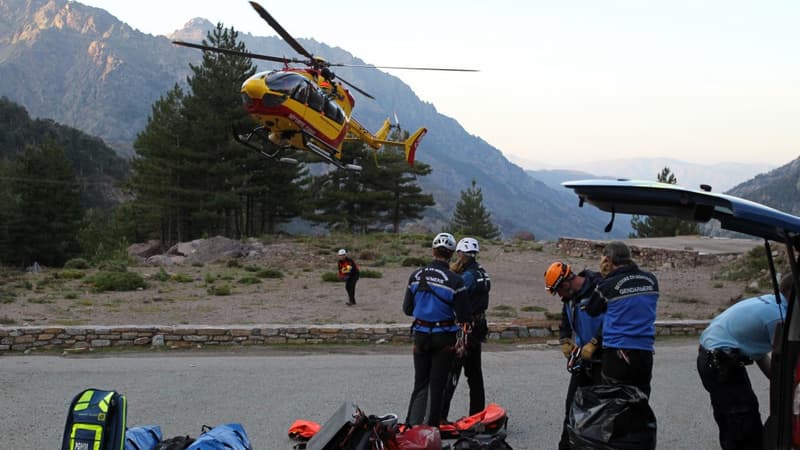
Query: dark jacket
(436, 294)
(628, 296)
(478, 284)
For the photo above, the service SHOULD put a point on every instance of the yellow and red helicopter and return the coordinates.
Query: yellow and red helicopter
(308, 108)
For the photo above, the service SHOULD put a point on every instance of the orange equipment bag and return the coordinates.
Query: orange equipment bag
(303, 430)
(489, 421)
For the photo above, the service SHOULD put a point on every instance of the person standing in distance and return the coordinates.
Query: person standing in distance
(436, 298)
(740, 335)
(580, 334)
(628, 296)
(348, 271)
(477, 284)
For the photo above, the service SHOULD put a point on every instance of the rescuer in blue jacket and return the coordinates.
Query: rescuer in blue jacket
(477, 285)
(580, 334)
(437, 300)
(628, 297)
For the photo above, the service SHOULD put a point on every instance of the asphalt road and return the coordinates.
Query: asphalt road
(267, 392)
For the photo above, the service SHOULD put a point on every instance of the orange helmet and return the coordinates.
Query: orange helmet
(555, 275)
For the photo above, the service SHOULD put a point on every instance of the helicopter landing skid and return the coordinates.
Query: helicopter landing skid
(259, 134)
(326, 155)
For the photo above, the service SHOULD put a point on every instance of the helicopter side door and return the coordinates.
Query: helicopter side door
(324, 115)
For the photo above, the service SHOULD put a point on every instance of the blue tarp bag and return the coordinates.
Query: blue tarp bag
(230, 436)
(142, 438)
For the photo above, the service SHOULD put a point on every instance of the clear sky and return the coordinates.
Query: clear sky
(699, 80)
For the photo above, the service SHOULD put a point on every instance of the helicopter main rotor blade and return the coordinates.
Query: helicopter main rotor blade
(283, 33)
(237, 53)
(367, 66)
(363, 92)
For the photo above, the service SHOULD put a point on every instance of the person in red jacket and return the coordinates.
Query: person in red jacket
(348, 271)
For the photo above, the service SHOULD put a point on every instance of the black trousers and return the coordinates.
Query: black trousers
(350, 287)
(433, 357)
(628, 366)
(471, 363)
(589, 375)
(733, 401)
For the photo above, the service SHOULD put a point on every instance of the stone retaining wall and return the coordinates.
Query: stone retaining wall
(645, 256)
(77, 339)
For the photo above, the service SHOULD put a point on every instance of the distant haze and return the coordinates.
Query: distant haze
(720, 177)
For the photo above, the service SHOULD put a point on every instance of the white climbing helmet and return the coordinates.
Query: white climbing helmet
(468, 245)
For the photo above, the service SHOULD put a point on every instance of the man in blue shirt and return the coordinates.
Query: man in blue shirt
(580, 334)
(437, 300)
(740, 335)
(628, 296)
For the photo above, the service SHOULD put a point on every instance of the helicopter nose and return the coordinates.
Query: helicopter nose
(254, 88)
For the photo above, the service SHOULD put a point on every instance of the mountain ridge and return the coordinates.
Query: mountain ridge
(107, 76)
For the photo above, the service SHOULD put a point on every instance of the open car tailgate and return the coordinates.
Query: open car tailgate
(652, 198)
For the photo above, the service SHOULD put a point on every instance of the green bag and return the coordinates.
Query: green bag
(96, 421)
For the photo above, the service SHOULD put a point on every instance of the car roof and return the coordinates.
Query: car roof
(661, 199)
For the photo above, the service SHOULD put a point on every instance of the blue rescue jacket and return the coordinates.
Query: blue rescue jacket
(440, 297)
(628, 296)
(576, 323)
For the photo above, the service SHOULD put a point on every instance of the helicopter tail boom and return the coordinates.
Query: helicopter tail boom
(411, 144)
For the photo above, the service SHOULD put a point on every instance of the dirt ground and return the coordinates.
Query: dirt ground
(302, 297)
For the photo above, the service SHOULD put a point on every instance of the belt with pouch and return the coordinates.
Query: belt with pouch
(439, 324)
(725, 356)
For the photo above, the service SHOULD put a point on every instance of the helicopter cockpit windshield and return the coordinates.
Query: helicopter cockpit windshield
(285, 82)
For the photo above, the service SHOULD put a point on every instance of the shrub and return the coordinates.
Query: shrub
(252, 268)
(370, 274)
(523, 236)
(219, 290)
(7, 296)
(182, 278)
(249, 280)
(233, 263)
(552, 315)
(330, 277)
(114, 265)
(210, 278)
(368, 255)
(414, 261)
(269, 273)
(70, 296)
(117, 281)
(162, 275)
(533, 309)
(76, 263)
(5, 320)
(69, 274)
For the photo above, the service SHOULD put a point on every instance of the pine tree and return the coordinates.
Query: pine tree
(471, 217)
(385, 192)
(273, 193)
(659, 226)
(219, 163)
(45, 226)
(161, 178)
(404, 199)
(342, 200)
